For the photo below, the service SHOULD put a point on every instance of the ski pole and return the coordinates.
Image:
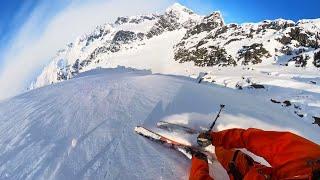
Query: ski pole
(218, 115)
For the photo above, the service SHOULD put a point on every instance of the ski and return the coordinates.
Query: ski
(178, 127)
(181, 147)
(173, 127)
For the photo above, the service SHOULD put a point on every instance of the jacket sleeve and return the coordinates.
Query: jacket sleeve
(277, 148)
(199, 170)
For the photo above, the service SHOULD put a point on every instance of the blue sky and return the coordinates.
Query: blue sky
(13, 13)
(240, 11)
(31, 31)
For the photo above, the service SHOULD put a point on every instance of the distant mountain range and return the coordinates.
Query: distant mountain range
(163, 43)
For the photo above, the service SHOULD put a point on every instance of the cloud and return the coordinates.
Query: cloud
(41, 36)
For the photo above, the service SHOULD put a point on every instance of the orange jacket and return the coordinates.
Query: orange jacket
(287, 153)
(199, 170)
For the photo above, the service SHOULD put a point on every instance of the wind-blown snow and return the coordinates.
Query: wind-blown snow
(84, 128)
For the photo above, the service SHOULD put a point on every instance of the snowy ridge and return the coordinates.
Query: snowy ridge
(84, 128)
(268, 42)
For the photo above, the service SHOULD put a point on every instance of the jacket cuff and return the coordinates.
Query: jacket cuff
(216, 140)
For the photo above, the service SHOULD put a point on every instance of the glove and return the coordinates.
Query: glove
(204, 139)
(198, 154)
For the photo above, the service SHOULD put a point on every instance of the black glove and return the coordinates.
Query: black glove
(198, 154)
(204, 139)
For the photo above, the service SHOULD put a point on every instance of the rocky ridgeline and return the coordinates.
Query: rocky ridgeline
(207, 41)
(175, 17)
(134, 20)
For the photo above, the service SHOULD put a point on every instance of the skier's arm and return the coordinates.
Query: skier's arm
(199, 170)
(276, 147)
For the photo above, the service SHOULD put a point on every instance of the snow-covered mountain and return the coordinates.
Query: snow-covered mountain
(178, 41)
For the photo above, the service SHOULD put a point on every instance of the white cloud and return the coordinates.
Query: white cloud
(38, 40)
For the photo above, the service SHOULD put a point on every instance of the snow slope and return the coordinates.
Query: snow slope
(83, 128)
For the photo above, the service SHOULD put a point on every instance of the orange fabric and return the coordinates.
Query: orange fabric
(199, 170)
(253, 174)
(246, 168)
(287, 153)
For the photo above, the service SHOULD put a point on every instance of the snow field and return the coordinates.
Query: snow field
(84, 128)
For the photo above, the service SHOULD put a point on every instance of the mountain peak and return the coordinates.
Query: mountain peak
(177, 7)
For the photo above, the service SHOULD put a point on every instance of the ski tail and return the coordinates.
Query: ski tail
(156, 137)
(176, 127)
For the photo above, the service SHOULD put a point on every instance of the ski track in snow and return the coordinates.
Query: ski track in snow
(84, 128)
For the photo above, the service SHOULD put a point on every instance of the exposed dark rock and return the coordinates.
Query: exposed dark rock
(248, 80)
(276, 25)
(122, 20)
(75, 67)
(316, 59)
(98, 51)
(287, 103)
(297, 106)
(202, 42)
(302, 37)
(300, 50)
(316, 120)
(124, 36)
(62, 75)
(220, 31)
(257, 86)
(209, 23)
(169, 22)
(70, 45)
(250, 35)
(150, 17)
(95, 36)
(287, 50)
(299, 114)
(232, 40)
(238, 86)
(313, 82)
(284, 40)
(253, 54)
(165, 23)
(237, 33)
(232, 25)
(275, 101)
(140, 36)
(300, 61)
(210, 56)
(135, 20)
(85, 63)
(201, 77)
